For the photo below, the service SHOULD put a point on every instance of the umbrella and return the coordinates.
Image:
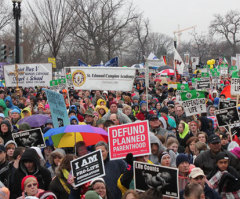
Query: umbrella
(35, 120)
(166, 72)
(165, 67)
(68, 135)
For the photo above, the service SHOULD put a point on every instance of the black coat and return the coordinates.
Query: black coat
(42, 174)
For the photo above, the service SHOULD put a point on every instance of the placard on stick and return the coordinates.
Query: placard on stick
(87, 167)
(226, 117)
(129, 138)
(29, 138)
(166, 178)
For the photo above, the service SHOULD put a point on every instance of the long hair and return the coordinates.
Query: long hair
(65, 164)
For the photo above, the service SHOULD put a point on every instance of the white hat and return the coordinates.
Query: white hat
(196, 172)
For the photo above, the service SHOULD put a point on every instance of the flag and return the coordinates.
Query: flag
(182, 87)
(112, 62)
(179, 65)
(225, 60)
(81, 63)
(205, 75)
(188, 95)
(165, 60)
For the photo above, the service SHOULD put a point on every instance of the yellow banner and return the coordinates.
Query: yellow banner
(53, 61)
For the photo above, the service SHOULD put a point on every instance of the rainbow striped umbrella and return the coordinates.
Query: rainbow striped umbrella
(68, 135)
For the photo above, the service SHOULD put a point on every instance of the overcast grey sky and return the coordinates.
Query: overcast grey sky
(165, 15)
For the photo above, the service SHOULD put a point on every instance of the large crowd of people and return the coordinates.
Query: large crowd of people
(207, 156)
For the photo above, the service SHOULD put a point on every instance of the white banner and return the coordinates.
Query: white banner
(103, 78)
(179, 64)
(195, 62)
(29, 75)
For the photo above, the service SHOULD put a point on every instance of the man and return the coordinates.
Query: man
(194, 191)
(81, 149)
(182, 163)
(89, 118)
(114, 118)
(30, 165)
(197, 176)
(154, 125)
(123, 119)
(113, 170)
(206, 160)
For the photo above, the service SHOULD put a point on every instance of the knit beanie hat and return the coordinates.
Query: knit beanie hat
(236, 152)
(162, 154)
(24, 127)
(47, 195)
(181, 158)
(92, 195)
(10, 142)
(222, 155)
(27, 179)
(135, 97)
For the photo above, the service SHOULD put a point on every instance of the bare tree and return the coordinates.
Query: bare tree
(228, 26)
(5, 15)
(100, 25)
(53, 18)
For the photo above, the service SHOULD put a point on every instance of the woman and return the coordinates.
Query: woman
(29, 187)
(59, 185)
(193, 126)
(164, 159)
(5, 131)
(183, 135)
(172, 144)
(56, 158)
(130, 194)
(202, 137)
(127, 110)
(190, 150)
(10, 147)
(99, 186)
(101, 110)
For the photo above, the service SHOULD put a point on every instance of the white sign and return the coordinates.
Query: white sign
(235, 86)
(103, 78)
(29, 75)
(195, 62)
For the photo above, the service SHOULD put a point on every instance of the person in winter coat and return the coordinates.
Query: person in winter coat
(55, 160)
(207, 159)
(26, 112)
(9, 104)
(29, 186)
(30, 165)
(3, 108)
(6, 131)
(224, 178)
(60, 185)
(183, 135)
(113, 170)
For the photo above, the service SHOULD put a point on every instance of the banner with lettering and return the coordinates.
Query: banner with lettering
(103, 78)
(58, 108)
(28, 75)
(129, 138)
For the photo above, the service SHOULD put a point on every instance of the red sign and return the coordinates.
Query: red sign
(129, 138)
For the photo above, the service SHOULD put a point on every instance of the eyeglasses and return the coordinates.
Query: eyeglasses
(32, 185)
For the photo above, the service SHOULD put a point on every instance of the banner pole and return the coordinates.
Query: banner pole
(147, 82)
(66, 86)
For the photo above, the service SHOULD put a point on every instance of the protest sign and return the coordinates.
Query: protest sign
(129, 138)
(29, 75)
(58, 108)
(227, 103)
(235, 83)
(193, 102)
(103, 78)
(235, 129)
(203, 83)
(29, 138)
(87, 167)
(195, 62)
(227, 116)
(149, 175)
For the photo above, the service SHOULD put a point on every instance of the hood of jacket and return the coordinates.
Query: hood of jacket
(29, 154)
(73, 118)
(9, 99)
(26, 109)
(101, 100)
(9, 128)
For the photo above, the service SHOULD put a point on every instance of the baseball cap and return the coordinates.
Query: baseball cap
(2, 115)
(196, 172)
(214, 139)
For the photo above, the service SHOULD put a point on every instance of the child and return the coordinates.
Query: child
(224, 178)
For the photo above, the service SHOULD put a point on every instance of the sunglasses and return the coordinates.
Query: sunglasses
(32, 185)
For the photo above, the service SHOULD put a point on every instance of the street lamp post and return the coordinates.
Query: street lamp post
(17, 15)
